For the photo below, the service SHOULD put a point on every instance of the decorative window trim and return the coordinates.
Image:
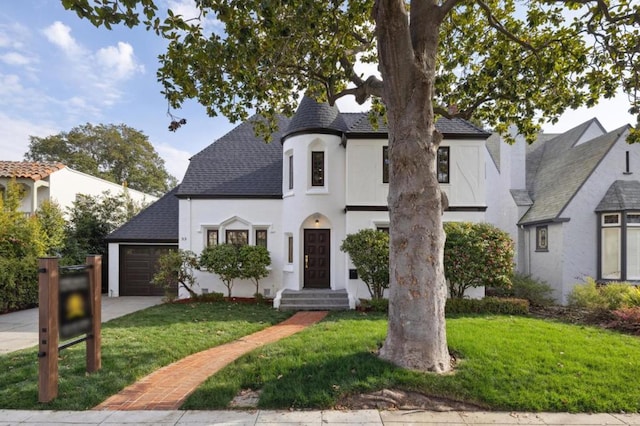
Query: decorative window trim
(542, 238)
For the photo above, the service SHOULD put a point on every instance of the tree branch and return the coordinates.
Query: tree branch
(494, 23)
(372, 86)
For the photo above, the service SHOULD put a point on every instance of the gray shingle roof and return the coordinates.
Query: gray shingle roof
(157, 223)
(557, 169)
(622, 195)
(521, 197)
(239, 164)
(455, 127)
(312, 115)
(493, 146)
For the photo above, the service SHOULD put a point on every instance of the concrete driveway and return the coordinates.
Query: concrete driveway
(19, 330)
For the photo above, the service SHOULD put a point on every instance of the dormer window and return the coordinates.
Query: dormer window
(317, 168)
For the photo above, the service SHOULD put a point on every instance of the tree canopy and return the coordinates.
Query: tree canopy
(501, 61)
(117, 153)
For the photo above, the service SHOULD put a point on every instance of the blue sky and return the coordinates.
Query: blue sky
(57, 72)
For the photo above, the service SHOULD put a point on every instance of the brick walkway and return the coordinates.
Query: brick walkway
(168, 387)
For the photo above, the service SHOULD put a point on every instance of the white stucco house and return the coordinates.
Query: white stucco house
(323, 176)
(42, 181)
(571, 202)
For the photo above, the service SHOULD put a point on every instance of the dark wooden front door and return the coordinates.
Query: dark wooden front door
(317, 258)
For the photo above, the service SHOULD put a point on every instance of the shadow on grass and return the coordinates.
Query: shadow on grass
(132, 347)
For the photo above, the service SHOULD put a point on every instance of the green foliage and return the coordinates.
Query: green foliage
(537, 292)
(223, 260)
(18, 283)
(627, 319)
(91, 219)
(254, 261)
(22, 241)
(505, 363)
(369, 252)
(117, 153)
(175, 269)
(487, 305)
(20, 234)
(553, 63)
(52, 227)
(374, 305)
(476, 254)
(606, 297)
(133, 346)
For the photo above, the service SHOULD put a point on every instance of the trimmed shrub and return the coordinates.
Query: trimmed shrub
(175, 269)
(254, 261)
(604, 297)
(18, 283)
(223, 260)
(475, 255)
(369, 252)
(536, 291)
(374, 305)
(627, 319)
(487, 305)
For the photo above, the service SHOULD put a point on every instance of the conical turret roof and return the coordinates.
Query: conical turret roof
(315, 117)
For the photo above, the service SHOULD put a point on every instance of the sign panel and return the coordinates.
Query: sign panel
(75, 304)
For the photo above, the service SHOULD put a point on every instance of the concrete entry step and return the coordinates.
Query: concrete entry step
(314, 300)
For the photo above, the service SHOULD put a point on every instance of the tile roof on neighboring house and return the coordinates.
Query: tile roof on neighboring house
(622, 195)
(157, 223)
(239, 164)
(28, 169)
(557, 169)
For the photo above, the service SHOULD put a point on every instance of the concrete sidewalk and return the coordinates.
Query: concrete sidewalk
(19, 330)
(316, 418)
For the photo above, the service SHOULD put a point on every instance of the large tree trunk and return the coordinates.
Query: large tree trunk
(407, 51)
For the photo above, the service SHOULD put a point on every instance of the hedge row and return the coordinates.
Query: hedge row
(488, 305)
(18, 283)
(455, 306)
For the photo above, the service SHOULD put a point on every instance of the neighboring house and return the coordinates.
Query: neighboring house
(323, 176)
(571, 202)
(56, 182)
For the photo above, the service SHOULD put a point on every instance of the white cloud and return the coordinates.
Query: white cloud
(188, 10)
(119, 61)
(60, 35)
(11, 35)
(15, 58)
(14, 136)
(176, 161)
(96, 78)
(10, 85)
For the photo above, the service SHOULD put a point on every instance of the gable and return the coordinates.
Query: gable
(563, 168)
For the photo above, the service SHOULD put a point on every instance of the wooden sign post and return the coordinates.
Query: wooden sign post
(94, 340)
(48, 329)
(70, 305)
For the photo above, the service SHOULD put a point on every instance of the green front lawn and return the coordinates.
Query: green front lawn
(505, 363)
(132, 347)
